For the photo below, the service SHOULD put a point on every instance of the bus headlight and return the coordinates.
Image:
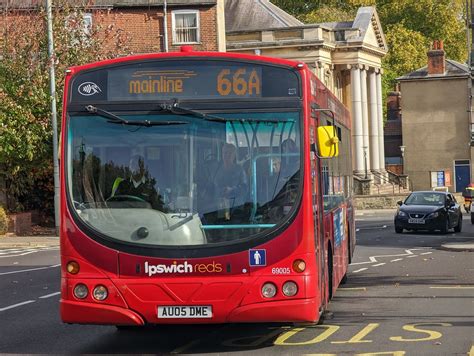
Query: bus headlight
(290, 289)
(269, 290)
(80, 291)
(100, 293)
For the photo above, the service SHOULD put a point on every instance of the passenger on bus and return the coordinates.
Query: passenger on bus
(230, 181)
(284, 181)
(138, 187)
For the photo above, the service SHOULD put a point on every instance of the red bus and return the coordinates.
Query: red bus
(202, 187)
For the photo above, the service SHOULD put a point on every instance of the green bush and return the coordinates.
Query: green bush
(3, 221)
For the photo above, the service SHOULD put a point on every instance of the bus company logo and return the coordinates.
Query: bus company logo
(183, 268)
(159, 82)
(88, 89)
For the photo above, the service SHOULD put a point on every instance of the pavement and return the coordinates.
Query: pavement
(10, 241)
(48, 241)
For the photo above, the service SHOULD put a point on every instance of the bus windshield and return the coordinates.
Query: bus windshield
(166, 179)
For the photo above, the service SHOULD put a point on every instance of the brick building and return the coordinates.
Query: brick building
(199, 23)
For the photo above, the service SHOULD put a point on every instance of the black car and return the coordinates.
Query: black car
(429, 210)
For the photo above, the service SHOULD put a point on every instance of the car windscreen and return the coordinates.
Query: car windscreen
(166, 179)
(426, 199)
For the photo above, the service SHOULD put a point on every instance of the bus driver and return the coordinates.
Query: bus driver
(139, 186)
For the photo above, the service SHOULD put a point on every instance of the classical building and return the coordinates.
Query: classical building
(148, 25)
(436, 124)
(346, 56)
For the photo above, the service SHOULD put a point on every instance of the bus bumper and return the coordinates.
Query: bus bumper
(298, 310)
(87, 313)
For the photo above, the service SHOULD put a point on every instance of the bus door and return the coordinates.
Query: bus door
(318, 213)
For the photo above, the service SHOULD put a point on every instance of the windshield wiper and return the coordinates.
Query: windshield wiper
(174, 108)
(114, 119)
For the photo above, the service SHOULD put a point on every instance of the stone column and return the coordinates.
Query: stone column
(380, 120)
(365, 115)
(374, 126)
(357, 133)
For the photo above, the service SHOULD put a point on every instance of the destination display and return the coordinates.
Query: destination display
(188, 79)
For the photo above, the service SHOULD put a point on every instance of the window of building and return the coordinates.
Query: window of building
(87, 20)
(185, 25)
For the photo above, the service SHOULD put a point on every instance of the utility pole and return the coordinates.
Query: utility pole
(54, 122)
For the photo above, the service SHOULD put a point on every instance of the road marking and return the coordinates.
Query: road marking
(396, 260)
(282, 340)
(432, 334)
(6, 252)
(471, 353)
(350, 289)
(359, 337)
(412, 256)
(373, 259)
(372, 228)
(379, 264)
(17, 305)
(49, 295)
(25, 252)
(360, 270)
(29, 270)
(453, 287)
(426, 253)
(392, 353)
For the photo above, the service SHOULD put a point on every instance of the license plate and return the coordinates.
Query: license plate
(416, 221)
(180, 311)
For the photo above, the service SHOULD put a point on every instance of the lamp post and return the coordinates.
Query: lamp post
(365, 148)
(54, 124)
(402, 150)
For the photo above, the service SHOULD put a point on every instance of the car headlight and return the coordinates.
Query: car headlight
(433, 215)
(402, 213)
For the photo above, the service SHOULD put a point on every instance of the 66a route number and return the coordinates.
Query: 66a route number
(239, 82)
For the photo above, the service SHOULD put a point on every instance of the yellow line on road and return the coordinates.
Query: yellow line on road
(453, 287)
(344, 289)
(471, 353)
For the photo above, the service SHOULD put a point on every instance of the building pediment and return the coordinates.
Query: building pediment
(370, 29)
(364, 34)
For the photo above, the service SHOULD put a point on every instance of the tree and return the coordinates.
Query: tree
(25, 126)
(433, 19)
(409, 26)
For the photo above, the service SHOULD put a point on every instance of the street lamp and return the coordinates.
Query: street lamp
(402, 150)
(365, 148)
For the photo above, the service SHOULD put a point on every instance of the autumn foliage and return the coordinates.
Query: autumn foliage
(26, 167)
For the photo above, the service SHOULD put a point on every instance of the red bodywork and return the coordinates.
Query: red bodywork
(234, 295)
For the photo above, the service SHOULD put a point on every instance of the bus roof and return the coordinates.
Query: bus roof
(187, 52)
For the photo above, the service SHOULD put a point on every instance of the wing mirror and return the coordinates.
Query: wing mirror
(328, 142)
(399, 203)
